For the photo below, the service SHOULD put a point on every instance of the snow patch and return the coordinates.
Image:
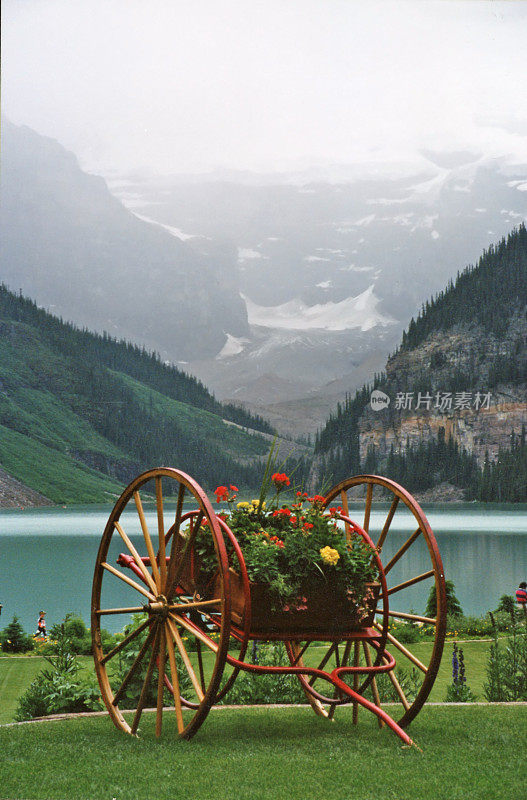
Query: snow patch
(364, 220)
(353, 312)
(248, 254)
(324, 284)
(232, 347)
(354, 268)
(316, 258)
(434, 234)
(177, 232)
(521, 186)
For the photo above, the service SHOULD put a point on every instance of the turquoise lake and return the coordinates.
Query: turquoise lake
(47, 557)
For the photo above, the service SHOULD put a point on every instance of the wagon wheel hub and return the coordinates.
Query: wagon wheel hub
(159, 606)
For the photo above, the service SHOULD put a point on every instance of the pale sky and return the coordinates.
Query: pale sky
(191, 85)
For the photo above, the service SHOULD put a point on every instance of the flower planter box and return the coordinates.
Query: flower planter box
(313, 612)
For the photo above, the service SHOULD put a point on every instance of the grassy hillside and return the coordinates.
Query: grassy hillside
(77, 430)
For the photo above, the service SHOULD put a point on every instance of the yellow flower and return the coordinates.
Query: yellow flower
(243, 504)
(256, 503)
(329, 555)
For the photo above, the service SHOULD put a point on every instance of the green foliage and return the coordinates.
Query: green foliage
(483, 294)
(410, 682)
(506, 604)
(294, 550)
(62, 688)
(507, 666)
(486, 295)
(250, 687)
(78, 428)
(121, 663)
(14, 639)
(452, 603)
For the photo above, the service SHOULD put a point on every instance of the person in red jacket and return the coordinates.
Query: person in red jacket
(41, 625)
(521, 596)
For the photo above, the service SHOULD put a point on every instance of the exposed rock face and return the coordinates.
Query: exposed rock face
(420, 379)
(476, 431)
(14, 494)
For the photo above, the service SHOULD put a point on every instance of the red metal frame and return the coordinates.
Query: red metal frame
(383, 663)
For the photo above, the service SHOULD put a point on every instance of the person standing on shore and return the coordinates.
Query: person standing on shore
(521, 596)
(41, 625)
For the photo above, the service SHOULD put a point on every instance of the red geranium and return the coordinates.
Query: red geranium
(280, 480)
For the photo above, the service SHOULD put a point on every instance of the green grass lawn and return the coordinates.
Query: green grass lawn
(17, 673)
(255, 754)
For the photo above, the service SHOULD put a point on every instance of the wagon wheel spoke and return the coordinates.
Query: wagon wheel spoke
(412, 617)
(367, 508)
(175, 679)
(402, 550)
(129, 610)
(200, 665)
(137, 558)
(176, 541)
(133, 669)
(160, 679)
(128, 580)
(324, 661)
(402, 649)
(161, 533)
(340, 663)
(387, 523)
(195, 632)
(356, 680)
(178, 569)
(131, 636)
(146, 682)
(397, 686)
(196, 604)
(148, 540)
(411, 581)
(186, 660)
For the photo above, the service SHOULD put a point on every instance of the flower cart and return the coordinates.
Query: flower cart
(198, 603)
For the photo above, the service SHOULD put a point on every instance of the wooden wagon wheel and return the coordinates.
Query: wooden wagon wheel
(165, 606)
(379, 490)
(238, 643)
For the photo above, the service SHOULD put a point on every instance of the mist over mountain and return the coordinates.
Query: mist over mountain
(67, 242)
(333, 261)
(281, 292)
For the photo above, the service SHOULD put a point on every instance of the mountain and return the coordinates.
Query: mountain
(332, 264)
(81, 414)
(452, 405)
(72, 246)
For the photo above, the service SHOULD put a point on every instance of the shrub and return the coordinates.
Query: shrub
(507, 666)
(410, 682)
(250, 687)
(506, 603)
(59, 689)
(14, 639)
(406, 633)
(452, 603)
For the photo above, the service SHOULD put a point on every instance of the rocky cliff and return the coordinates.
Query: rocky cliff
(451, 381)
